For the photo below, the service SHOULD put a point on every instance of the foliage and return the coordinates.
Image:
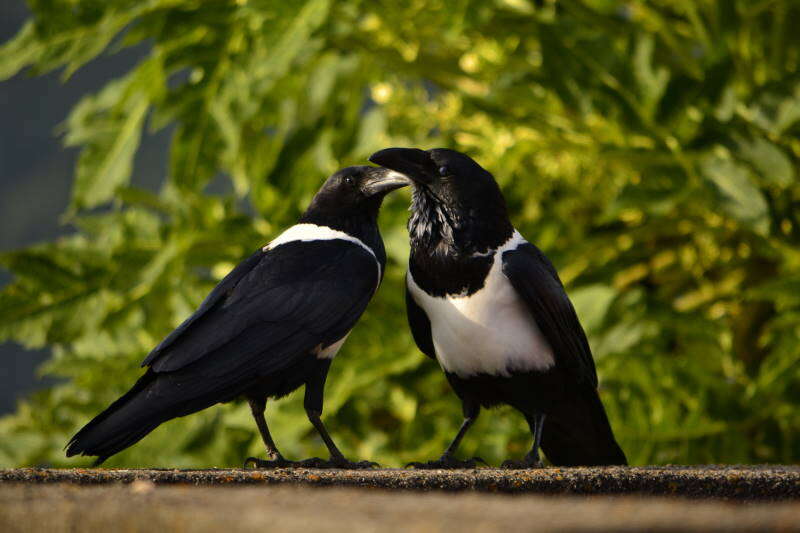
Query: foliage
(649, 147)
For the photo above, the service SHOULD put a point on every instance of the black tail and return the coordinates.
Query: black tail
(577, 433)
(112, 430)
(153, 400)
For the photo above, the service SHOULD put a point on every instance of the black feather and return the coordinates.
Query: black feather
(256, 332)
(222, 290)
(537, 283)
(420, 326)
(577, 432)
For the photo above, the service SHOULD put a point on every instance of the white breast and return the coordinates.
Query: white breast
(490, 331)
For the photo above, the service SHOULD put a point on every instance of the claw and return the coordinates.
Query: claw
(366, 465)
(448, 463)
(314, 462)
(339, 462)
(280, 462)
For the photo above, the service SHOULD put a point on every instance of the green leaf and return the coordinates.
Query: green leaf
(109, 126)
(107, 165)
(22, 50)
(739, 196)
(777, 112)
(371, 133)
(770, 162)
(652, 80)
(592, 303)
(295, 39)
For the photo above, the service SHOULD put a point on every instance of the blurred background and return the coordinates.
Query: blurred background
(649, 147)
(36, 171)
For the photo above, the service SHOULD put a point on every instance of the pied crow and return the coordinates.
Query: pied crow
(274, 323)
(490, 308)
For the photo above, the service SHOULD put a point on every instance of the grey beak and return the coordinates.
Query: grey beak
(384, 181)
(415, 163)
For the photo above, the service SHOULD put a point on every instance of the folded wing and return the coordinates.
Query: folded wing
(536, 281)
(300, 295)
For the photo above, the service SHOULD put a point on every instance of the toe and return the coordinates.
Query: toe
(360, 465)
(425, 466)
(315, 462)
(337, 462)
(261, 463)
(447, 463)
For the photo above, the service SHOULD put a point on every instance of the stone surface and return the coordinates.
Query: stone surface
(718, 482)
(146, 506)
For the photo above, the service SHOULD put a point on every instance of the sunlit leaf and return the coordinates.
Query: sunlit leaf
(740, 197)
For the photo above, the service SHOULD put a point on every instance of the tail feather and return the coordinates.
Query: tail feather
(94, 438)
(159, 396)
(577, 433)
(153, 400)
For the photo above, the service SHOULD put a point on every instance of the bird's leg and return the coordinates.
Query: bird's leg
(315, 418)
(537, 427)
(531, 460)
(258, 414)
(257, 407)
(313, 404)
(471, 412)
(337, 459)
(465, 425)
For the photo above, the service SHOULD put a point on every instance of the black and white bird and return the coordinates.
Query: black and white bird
(274, 323)
(490, 308)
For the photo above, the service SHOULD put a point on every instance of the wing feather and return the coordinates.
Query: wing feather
(420, 326)
(275, 306)
(536, 281)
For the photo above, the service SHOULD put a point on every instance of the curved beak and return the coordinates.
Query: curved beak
(415, 163)
(383, 181)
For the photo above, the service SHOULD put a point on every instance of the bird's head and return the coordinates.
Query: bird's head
(356, 191)
(350, 200)
(456, 201)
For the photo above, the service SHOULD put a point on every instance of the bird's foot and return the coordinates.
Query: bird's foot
(336, 462)
(278, 462)
(522, 464)
(448, 462)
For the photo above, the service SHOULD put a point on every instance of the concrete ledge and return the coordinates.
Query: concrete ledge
(144, 506)
(718, 482)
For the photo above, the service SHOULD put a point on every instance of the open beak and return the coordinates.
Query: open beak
(384, 181)
(415, 163)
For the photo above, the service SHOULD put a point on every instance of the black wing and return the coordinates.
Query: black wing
(536, 281)
(222, 290)
(420, 326)
(275, 306)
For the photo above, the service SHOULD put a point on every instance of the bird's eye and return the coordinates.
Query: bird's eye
(444, 170)
(349, 180)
